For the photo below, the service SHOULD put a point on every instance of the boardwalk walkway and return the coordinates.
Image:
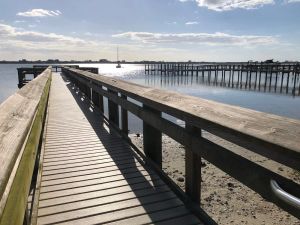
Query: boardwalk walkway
(91, 176)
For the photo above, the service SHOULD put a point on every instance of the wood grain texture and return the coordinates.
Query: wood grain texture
(93, 176)
(16, 194)
(16, 118)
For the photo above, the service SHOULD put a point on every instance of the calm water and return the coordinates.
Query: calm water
(284, 105)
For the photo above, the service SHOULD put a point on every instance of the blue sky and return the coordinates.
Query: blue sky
(171, 30)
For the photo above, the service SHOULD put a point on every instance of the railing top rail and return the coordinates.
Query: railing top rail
(269, 135)
(16, 116)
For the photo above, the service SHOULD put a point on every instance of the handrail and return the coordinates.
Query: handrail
(21, 122)
(285, 196)
(276, 136)
(269, 135)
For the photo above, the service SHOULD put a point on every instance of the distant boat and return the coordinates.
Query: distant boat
(118, 65)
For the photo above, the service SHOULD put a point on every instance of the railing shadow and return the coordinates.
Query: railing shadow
(151, 192)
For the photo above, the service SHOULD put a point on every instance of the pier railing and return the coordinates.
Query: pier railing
(21, 123)
(36, 70)
(274, 137)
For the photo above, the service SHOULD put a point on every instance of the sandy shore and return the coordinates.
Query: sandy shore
(225, 199)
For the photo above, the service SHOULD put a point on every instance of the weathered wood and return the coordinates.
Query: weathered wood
(208, 150)
(21, 124)
(152, 138)
(76, 191)
(272, 136)
(95, 98)
(193, 168)
(113, 110)
(124, 118)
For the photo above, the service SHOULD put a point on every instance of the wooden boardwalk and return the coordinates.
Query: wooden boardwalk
(90, 175)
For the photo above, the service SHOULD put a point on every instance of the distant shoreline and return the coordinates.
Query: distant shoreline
(66, 62)
(55, 62)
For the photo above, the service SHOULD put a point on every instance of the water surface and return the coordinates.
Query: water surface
(283, 105)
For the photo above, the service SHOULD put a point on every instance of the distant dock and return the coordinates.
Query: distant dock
(271, 77)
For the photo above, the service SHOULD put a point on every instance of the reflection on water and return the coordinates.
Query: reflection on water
(284, 105)
(279, 83)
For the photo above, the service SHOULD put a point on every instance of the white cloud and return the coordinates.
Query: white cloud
(18, 43)
(191, 23)
(20, 21)
(292, 1)
(225, 5)
(198, 38)
(39, 13)
(171, 23)
(15, 37)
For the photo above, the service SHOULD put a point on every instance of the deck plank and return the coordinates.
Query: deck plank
(91, 176)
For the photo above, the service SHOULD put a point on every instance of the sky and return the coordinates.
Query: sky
(169, 30)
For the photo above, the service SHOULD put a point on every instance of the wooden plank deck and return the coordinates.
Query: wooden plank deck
(91, 176)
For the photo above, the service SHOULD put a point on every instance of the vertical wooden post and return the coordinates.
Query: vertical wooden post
(95, 98)
(238, 81)
(260, 69)
(277, 69)
(266, 77)
(229, 78)
(152, 139)
(113, 110)
(88, 92)
(241, 80)
(256, 70)
(250, 76)
(287, 82)
(98, 99)
(193, 168)
(282, 77)
(247, 74)
(20, 78)
(124, 118)
(271, 78)
(232, 78)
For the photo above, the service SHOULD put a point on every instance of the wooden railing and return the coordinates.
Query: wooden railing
(274, 137)
(21, 124)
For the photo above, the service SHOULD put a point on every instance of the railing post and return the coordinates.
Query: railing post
(113, 110)
(88, 92)
(124, 117)
(101, 104)
(152, 139)
(193, 168)
(20, 77)
(95, 98)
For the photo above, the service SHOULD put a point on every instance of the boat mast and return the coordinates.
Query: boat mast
(117, 54)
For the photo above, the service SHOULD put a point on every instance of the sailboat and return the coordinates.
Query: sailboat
(118, 65)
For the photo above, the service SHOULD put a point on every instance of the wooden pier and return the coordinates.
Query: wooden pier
(26, 74)
(77, 166)
(271, 77)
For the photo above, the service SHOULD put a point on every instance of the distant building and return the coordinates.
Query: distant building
(269, 61)
(104, 61)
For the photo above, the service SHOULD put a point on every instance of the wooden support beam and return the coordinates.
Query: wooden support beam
(113, 110)
(95, 98)
(193, 168)
(124, 118)
(152, 139)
